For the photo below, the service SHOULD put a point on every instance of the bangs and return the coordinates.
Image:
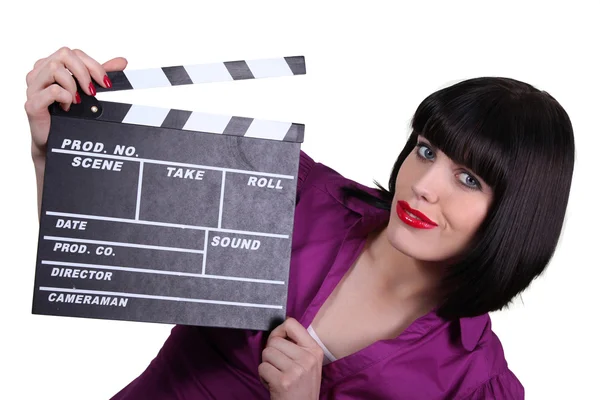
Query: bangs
(519, 140)
(470, 124)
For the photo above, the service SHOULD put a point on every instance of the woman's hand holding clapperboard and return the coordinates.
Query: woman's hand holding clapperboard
(52, 79)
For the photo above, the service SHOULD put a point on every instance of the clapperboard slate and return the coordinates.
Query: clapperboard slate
(170, 216)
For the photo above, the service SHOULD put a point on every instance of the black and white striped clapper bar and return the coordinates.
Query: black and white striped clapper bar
(170, 216)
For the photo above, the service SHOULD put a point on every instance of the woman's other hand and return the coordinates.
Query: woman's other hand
(292, 363)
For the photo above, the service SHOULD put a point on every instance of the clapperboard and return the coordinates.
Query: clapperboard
(165, 215)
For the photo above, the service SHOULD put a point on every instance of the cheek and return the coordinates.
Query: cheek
(465, 215)
(406, 175)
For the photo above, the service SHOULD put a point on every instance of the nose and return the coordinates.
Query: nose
(428, 185)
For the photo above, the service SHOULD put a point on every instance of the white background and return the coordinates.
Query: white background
(368, 68)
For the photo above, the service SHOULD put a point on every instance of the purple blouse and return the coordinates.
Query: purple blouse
(432, 359)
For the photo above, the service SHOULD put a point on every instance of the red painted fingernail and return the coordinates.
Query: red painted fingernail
(107, 82)
(92, 89)
(77, 98)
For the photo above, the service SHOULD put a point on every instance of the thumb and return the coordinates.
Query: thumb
(116, 64)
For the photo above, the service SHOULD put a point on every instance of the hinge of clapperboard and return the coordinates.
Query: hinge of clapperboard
(92, 108)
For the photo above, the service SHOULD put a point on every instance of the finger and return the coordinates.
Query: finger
(269, 374)
(116, 64)
(292, 329)
(34, 71)
(48, 76)
(75, 65)
(37, 105)
(39, 62)
(98, 71)
(277, 358)
(44, 71)
(291, 350)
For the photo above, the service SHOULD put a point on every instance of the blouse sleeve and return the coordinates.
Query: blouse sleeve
(504, 386)
(305, 166)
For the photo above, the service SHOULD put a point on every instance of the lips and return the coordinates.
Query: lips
(421, 221)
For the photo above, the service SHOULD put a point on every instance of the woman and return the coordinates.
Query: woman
(389, 289)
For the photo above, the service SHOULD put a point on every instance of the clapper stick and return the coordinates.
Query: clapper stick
(204, 73)
(165, 215)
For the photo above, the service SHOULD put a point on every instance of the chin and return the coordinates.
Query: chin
(413, 243)
(401, 239)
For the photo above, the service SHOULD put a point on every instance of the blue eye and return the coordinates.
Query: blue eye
(474, 183)
(421, 146)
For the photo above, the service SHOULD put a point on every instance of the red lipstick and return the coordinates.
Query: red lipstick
(421, 222)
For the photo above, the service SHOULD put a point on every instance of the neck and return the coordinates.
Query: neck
(402, 277)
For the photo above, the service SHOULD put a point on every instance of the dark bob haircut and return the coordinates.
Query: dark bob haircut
(520, 141)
